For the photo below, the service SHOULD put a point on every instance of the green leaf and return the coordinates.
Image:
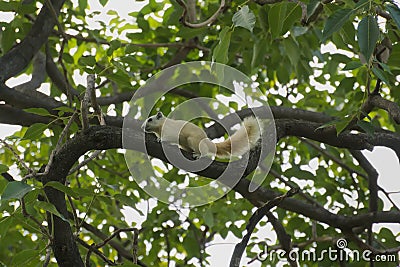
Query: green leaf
(5, 223)
(87, 61)
(385, 67)
(259, 50)
(82, 4)
(293, 15)
(292, 51)
(65, 189)
(244, 18)
(346, 85)
(15, 190)
(128, 201)
(394, 11)
(352, 65)
(25, 257)
(335, 22)
(7, 38)
(114, 45)
(312, 7)
(381, 75)
(3, 168)
(38, 111)
(295, 171)
(189, 33)
(65, 109)
(342, 124)
(367, 127)
(209, 218)
(220, 53)
(103, 2)
(84, 192)
(35, 131)
(49, 207)
(367, 35)
(8, 6)
(276, 17)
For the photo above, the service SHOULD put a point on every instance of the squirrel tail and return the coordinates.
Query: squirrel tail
(241, 141)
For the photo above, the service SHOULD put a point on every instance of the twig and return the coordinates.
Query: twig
(383, 14)
(101, 85)
(93, 100)
(48, 254)
(122, 251)
(334, 159)
(201, 24)
(165, 232)
(135, 246)
(292, 186)
(254, 219)
(60, 58)
(361, 244)
(54, 14)
(74, 215)
(283, 237)
(65, 72)
(23, 164)
(32, 218)
(59, 142)
(85, 110)
(346, 167)
(95, 251)
(94, 248)
(86, 161)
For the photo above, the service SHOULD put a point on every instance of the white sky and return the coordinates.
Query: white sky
(383, 159)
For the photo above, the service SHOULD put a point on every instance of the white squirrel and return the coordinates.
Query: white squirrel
(193, 139)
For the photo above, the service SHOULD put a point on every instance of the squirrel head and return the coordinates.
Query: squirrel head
(153, 123)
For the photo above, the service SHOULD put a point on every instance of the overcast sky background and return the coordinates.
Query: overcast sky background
(383, 159)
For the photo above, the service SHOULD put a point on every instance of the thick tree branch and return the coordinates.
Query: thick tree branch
(391, 107)
(38, 74)
(328, 135)
(21, 100)
(106, 137)
(372, 186)
(15, 116)
(15, 60)
(279, 112)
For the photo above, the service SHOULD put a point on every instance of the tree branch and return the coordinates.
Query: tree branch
(38, 74)
(207, 22)
(328, 135)
(391, 107)
(107, 137)
(15, 116)
(283, 237)
(254, 219)
(15, 60)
